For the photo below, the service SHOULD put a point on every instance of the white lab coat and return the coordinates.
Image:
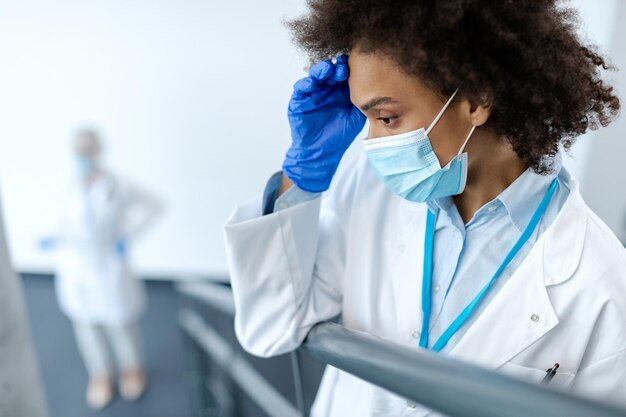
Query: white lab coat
(358, 251)
(94, 282)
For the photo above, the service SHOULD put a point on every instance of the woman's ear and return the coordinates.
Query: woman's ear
(479, 112)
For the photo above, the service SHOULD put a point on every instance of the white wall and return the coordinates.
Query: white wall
(190, 96)
(597, 27)
(605, 179)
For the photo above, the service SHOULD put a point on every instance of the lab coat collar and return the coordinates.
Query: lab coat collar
(520, 199)
(553, 259)
(524, 195)
(564, 240)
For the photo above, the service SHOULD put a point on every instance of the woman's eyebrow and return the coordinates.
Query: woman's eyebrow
(377, 101)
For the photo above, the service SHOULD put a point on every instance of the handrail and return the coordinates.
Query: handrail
(212, 294)
(446, 385)
(449, 386)
(220, 297)
(236, 366)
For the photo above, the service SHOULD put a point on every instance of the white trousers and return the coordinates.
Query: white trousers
(96, 342)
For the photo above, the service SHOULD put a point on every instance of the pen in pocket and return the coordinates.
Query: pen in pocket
(550, 374)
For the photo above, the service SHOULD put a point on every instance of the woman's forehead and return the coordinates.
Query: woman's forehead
(375, 75)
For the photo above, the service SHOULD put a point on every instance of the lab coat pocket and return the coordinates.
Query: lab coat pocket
(562, 380)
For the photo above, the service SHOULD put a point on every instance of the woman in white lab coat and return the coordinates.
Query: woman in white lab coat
(95, 285)
(453, 227)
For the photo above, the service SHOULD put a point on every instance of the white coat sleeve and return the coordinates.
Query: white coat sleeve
(141, 210)
(286, 270)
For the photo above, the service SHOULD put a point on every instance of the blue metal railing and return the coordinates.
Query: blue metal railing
(449, 386)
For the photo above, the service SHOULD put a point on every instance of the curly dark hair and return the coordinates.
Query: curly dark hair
(523, 58)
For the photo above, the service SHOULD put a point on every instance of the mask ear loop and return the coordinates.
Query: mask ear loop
(467, 140)
(441, 112)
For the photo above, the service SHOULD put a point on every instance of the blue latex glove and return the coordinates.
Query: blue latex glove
(47, 243)
(120, 248)
(324, 122)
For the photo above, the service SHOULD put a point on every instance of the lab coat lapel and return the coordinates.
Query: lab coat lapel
(405, 251)
(521, 312)
(517, 316)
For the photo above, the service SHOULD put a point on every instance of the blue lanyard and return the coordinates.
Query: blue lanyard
(468, 310)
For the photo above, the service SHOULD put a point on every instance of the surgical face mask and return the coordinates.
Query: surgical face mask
(408, 166)
(85, 166)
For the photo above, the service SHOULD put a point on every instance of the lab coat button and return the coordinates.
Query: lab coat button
(535, 318)
(401, 248)
(415, 334)
(437, 288)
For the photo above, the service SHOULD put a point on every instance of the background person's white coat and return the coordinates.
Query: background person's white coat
(94, 281)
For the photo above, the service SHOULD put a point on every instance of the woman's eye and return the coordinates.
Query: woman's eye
(387, 121)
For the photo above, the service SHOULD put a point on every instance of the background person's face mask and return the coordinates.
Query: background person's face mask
(408, 166)
(85, 166)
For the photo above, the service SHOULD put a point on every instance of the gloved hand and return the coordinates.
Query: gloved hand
(324, 122)
(47, 243)
(120, 248)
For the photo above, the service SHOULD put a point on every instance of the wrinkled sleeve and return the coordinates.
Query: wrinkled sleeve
(287, 266)
(286, 270)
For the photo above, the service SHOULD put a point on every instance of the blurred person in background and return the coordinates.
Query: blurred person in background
(95, 286)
